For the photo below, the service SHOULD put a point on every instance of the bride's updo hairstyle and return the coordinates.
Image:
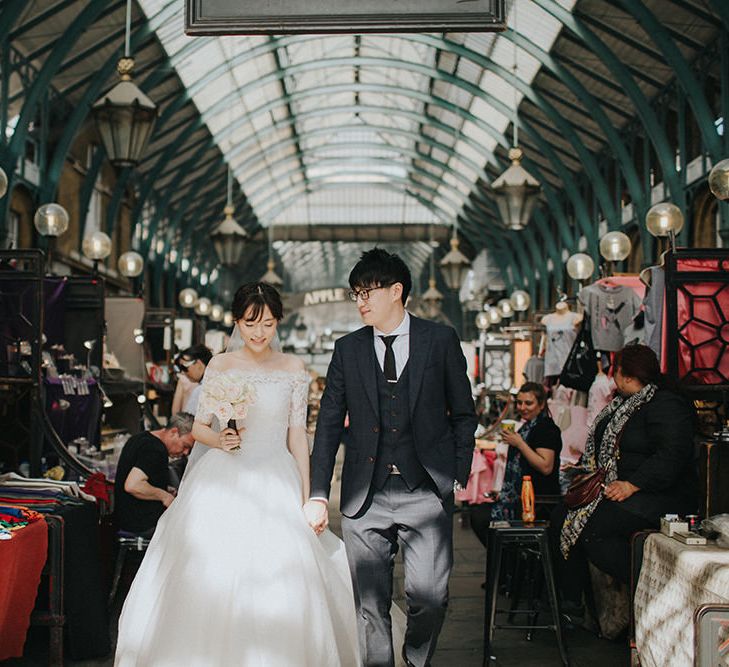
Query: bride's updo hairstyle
(252, 298)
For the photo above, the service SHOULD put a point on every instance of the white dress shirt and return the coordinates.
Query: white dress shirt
(400, 346)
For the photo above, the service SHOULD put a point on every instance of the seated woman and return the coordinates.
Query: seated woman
(534, 451)
(644, 439)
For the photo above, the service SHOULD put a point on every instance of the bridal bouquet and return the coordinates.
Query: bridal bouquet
(228, 397)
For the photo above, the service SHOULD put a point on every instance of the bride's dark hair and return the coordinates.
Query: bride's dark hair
(252, 298)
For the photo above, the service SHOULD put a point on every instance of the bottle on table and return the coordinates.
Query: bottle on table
(527, 499)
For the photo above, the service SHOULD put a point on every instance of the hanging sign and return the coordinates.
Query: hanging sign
(279, 17)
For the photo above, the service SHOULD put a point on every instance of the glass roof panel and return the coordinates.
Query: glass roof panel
(373, 160)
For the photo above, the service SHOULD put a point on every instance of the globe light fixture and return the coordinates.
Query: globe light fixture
(203, 307)
(125, 116)
(216, 313)
(96, 246)
(131, 264)
(229, 238)
(228, 318)
(482, 321)
(505, 308)
(454, 265)
(432, 298)
(664, 219)
(719, 180)
(3, 182)
(520, 300)
(580, 266)
(615, 246)
(188, 297)
(493, 315)
(51, 220)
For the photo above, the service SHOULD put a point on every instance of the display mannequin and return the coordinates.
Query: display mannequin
(561, 331)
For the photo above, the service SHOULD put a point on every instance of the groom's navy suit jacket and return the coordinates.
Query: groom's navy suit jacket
(441, 412)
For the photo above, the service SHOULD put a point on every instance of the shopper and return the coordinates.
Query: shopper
(141, 490)
(644, 440)
(534, 451)
(191, 363)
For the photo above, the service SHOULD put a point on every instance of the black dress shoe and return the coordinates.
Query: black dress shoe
(405, 658)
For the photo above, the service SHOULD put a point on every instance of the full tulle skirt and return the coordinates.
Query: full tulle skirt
(235, 576)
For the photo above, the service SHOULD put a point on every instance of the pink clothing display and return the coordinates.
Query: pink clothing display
(600, 394)
(486, 470)
(574, 436)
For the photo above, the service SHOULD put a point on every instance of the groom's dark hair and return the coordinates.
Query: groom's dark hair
(379, 268)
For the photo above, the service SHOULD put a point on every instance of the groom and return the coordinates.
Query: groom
(411, 422)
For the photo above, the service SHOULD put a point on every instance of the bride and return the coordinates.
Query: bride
(234, 575)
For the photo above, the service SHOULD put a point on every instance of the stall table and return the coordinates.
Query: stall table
(675, 579)
(21, 562)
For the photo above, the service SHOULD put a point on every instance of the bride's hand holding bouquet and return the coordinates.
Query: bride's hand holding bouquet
(230, 399)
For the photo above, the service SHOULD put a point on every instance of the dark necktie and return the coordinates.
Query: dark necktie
(390, 370)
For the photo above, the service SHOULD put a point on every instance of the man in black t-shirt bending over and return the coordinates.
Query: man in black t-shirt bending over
(142, 476)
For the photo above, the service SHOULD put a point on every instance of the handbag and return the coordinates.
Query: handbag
(584, 488)
(580, 369)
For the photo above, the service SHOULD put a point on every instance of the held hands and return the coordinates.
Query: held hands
(229, 440)
(317, 514)
(620, 491)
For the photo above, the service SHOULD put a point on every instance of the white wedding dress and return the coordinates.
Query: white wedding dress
(234, 576)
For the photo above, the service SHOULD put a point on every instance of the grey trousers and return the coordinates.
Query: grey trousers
(422, 524)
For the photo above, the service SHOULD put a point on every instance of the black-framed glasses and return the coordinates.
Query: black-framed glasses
(364, 294)
(184, 364)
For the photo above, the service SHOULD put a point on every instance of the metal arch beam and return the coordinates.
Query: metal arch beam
(694, 94)
(40, 84)
(630, 88)
(104, 10)
(39, 19)
(720, 7)
(8, 16)
(614, 140)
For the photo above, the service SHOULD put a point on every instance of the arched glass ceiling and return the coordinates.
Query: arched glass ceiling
(314, 126)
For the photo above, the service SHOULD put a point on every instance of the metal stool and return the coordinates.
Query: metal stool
(126, 542)
(533, 535)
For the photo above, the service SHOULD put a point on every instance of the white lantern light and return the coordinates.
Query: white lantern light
(482, 321)
(505, 308)
(3, 183)
(216, 312)
(130, 264)
(520, 300)
(664, 219)
(51, 220)
(493, 315)
(580, 266)
(188, 297)
(615, 246)
(96, 246)
(719, 180)
(203, 306)
(228, 318)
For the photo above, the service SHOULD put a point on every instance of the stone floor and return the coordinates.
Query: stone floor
(461, 639)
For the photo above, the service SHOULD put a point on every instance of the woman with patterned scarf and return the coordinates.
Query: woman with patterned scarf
(644, 440)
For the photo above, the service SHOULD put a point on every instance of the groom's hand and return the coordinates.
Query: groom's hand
(317, 514)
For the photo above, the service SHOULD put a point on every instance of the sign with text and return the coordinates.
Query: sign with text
(279, 17)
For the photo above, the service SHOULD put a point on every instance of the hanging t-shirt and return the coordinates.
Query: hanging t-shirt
(611, 309)
(561, 334)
